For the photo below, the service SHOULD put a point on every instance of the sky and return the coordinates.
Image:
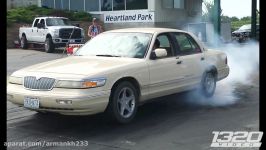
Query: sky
(238, 8)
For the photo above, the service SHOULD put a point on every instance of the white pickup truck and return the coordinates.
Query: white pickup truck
(52, 32)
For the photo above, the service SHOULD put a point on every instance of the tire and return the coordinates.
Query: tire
(123, 103)
(208, 84)
(23, 42)
(49, 45)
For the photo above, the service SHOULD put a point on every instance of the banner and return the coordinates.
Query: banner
(128, 16)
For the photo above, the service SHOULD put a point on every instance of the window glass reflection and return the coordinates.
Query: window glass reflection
(136, 4)
(106, 5)
(119, 4)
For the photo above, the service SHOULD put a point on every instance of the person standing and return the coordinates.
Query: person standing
(94, 29)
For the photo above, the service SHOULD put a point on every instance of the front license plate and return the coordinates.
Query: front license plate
(71, 41)
(30, 102)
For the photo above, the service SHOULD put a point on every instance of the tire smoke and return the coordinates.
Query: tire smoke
(243, 60)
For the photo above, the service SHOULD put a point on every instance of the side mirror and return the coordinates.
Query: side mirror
(77, 25)
(158, 53)
(39, 25)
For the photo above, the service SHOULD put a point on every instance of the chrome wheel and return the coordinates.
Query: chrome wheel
(209, 83)
(126, 102)
(46, 45)
(22, 42)
(123, 104)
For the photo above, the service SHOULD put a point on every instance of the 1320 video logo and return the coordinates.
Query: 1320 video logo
(236, 139)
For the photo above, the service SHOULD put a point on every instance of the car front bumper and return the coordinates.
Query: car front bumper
(83, 101)
(59, 42)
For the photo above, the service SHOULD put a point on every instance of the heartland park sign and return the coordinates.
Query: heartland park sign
(128, 16)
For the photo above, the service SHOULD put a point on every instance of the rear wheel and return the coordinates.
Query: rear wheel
(208, 84)
(123, 102)
(23, 42)
(49, 45)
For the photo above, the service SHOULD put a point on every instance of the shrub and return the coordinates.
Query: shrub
(27, 14)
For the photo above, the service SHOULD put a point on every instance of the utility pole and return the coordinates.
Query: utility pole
(217, 16)
(253, 18)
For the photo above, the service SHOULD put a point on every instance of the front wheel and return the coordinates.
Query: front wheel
(208, 84)
(123, 102)
(49, 45)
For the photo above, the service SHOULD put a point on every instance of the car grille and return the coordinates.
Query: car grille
(65, 33)
(38, 84)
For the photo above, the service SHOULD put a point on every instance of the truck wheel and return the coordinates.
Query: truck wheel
(208, 84)
(23, 42)
(123, 103)
(49, 45)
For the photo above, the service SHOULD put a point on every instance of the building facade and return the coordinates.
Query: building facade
(135, 13)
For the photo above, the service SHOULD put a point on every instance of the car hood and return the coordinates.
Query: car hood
(239, 31)
(81, 65)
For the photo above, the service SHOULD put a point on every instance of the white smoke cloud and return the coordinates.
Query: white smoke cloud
(243, 60)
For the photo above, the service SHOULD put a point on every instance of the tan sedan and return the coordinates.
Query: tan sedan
(118, 70)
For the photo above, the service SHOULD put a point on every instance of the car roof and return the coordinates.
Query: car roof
(44, 17)
(146, 30)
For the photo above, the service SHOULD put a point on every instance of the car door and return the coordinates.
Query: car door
(40, 35)
(191, 58)
(33, 31)
(165, 73)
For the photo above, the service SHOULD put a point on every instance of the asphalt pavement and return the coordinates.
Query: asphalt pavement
(176, 122)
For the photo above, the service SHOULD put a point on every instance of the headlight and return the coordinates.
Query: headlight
(55, 32)
(88, 83)
(15, 80)
(82, 33)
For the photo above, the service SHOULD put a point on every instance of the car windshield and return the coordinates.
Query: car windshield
(245, 27)
(57, 22)
(133, 45)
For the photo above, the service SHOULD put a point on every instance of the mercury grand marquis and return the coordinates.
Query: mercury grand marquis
(117, 71)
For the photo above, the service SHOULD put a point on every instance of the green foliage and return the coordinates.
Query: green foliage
(237, 24)
(234, 19)
(208, 12)
(27, 14)
(80, 16)
(225, 19)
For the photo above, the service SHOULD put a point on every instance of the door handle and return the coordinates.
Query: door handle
(179, 62)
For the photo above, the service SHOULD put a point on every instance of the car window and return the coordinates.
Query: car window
(42, 22)
(132, 45)
(36, 22)
(245, 27)
(57, 22)
(165, 43)
(186, 44)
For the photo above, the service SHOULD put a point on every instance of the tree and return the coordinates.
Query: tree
(234, 18)
(225, 19)
(208, 11)
(247, 18)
